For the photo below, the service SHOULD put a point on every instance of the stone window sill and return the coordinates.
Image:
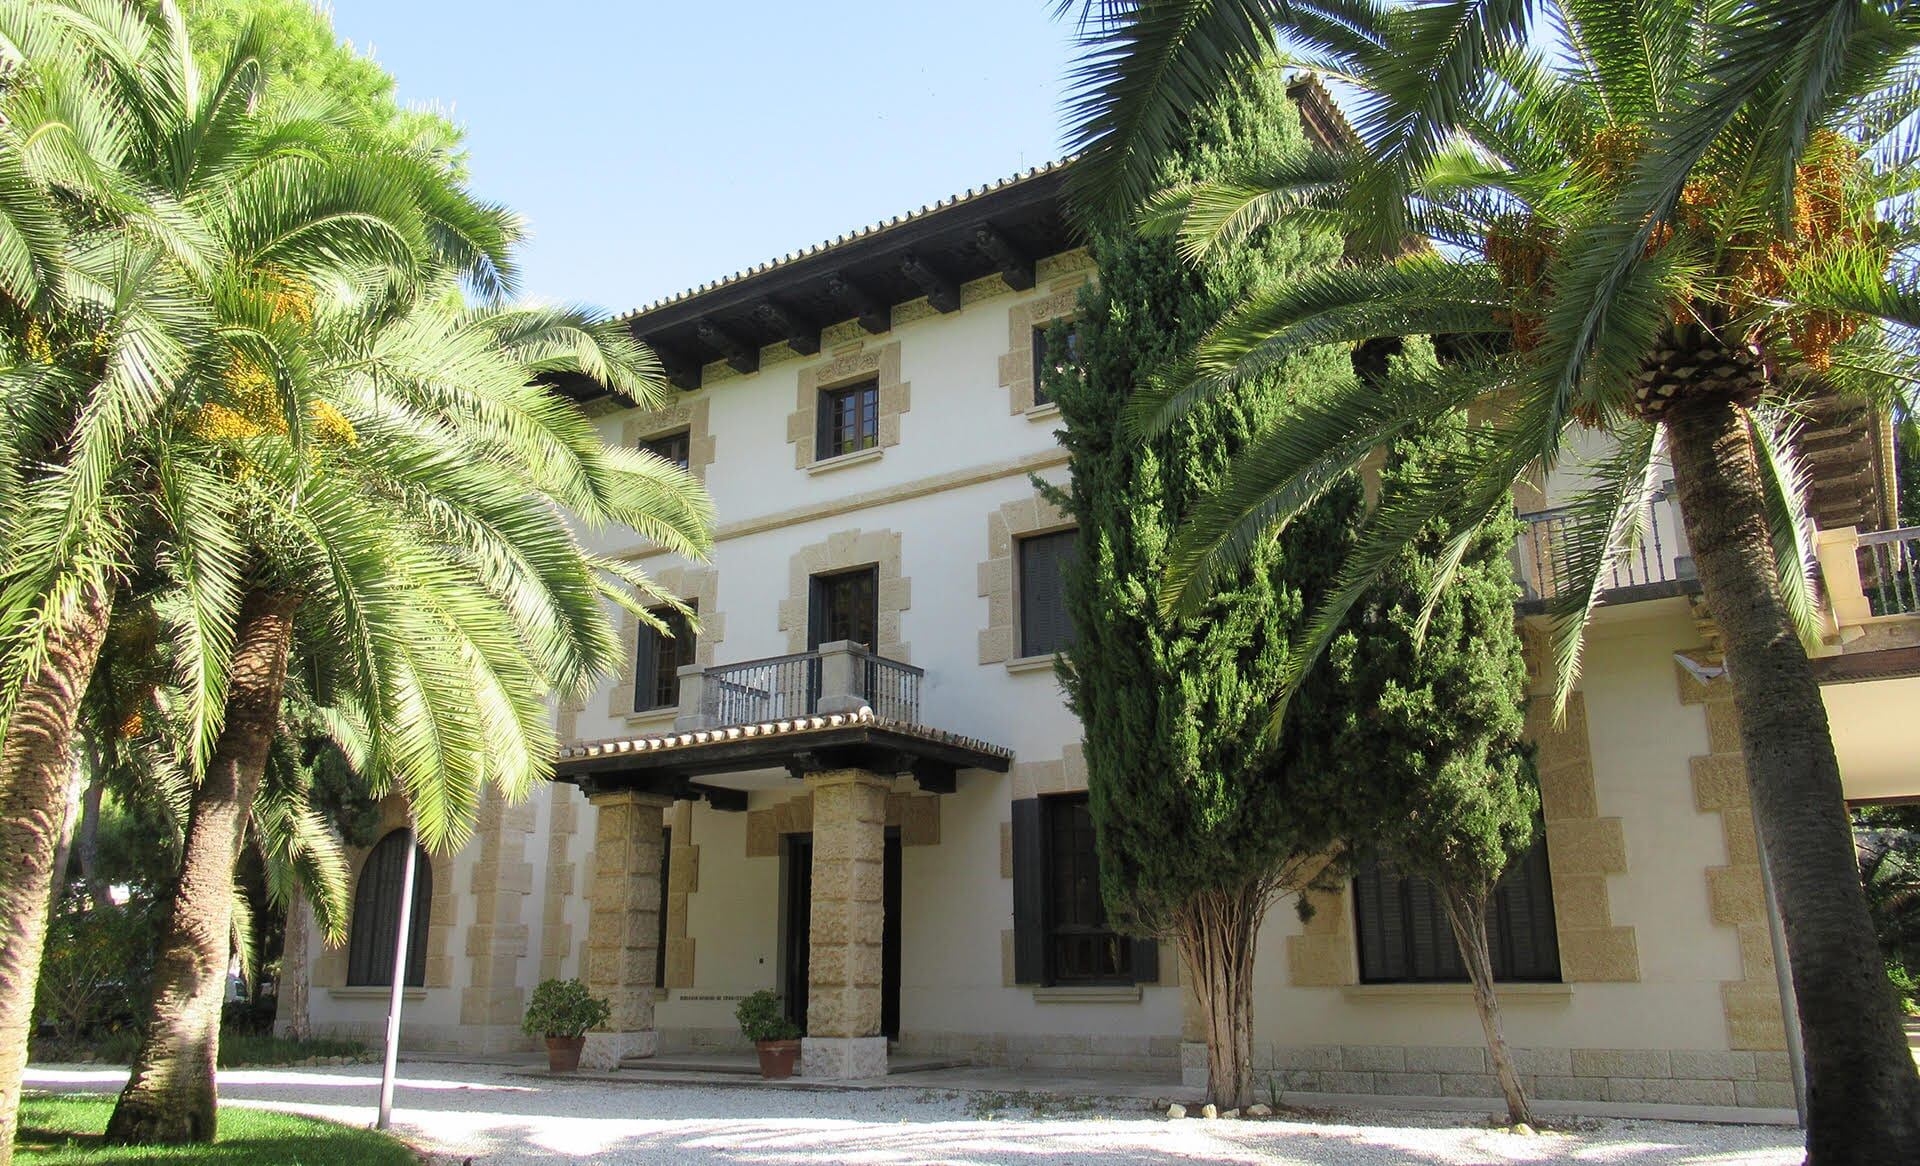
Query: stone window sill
(1031, 663)
(1044, 412)
(1089, 994)
(1413, 993)
(857, 457)
(375, 992)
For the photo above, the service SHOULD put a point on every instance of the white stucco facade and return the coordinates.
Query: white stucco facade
(1667, 992)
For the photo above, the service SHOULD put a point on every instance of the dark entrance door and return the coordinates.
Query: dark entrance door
(845, 606)
(799, 913)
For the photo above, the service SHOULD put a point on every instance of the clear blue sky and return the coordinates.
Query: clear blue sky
(655, 144)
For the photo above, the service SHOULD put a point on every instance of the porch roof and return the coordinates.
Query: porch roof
(668, 762)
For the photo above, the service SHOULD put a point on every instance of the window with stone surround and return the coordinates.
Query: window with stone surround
(1405, 938)
(849, 419)
(675, 447)
(376, 915)
(658, 658)
(1044, 624)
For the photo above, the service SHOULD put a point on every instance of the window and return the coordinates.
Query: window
(845, 607)
(376, 915)
(849, 419)
(1081, 949)
(660, 941)
(1046, 363)
(1404, 934)
(658, 660)
(673, 447)
(1044, 626)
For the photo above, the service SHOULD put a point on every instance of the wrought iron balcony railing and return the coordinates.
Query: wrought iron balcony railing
(835, 678)
(1543, 558)
(1890, 570)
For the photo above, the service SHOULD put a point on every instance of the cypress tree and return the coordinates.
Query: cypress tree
(1429, 755)
(1196, 828)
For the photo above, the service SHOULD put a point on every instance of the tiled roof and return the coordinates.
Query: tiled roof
(797, 726)
(868, 231)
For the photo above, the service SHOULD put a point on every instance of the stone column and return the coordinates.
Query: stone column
(843, 962)
(623, 927)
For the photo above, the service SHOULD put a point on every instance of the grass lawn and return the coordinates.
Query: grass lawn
(65, 1129)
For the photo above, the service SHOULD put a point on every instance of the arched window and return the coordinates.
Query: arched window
(376, 916)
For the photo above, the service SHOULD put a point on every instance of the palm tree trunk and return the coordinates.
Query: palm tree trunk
(88, 842)
(170, 1095)
(69, 821)
(35, 763)
(1216, 933)
(1863, 1101)
(1467, 915)
(290, 1008)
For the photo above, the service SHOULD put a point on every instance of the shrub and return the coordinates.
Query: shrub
(762, 1018)
(563, 1008)
(95, 970)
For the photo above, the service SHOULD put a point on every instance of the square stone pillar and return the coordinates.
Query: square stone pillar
(848, 912)
(623, 927)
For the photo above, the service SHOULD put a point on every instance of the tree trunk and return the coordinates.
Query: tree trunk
(290, 1017)
(170, 1095)
(69, 821)
(1863, 1102)
(88, 843)
(1216, 932)
(35, 764)
(1467, 915)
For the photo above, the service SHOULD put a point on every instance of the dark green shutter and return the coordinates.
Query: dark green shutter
(1044, 624)
(1029, 892)
(646, 668)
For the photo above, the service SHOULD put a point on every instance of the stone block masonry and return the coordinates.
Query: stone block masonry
(623, 925)
(843, 962)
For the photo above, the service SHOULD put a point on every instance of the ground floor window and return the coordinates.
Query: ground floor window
(376, 915)
(1081, 948)
(1404, 936)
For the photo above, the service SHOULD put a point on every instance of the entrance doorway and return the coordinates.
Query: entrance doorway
(798, 913)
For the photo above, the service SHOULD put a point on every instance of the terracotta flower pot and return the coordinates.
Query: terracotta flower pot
(563, 1053)
(777, 1058)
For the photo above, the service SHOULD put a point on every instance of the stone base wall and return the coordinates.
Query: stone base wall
(1027, 1050)
(1641, 1076)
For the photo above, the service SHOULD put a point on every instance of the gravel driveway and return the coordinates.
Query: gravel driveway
(494, 1116)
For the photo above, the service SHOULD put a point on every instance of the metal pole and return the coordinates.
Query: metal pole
(399, 985)
(1783, 972)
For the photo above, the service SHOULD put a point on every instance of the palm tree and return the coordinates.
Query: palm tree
(1673, 224)
(136, 197)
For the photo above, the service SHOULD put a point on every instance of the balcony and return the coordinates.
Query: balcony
(1659, 565)
(840, 677)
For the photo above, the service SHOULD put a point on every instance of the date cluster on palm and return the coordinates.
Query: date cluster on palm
(1700, 368)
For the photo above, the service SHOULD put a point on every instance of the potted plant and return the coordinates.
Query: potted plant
(562, 1011)
(776, 1038)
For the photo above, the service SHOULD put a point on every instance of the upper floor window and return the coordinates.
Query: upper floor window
(849, 419)
(1081, 948)
(376, 915)
(674, 447)
(1044, 626)
(658, 660)
(1048, 362)
(1404, 935)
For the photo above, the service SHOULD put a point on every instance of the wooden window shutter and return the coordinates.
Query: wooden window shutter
(646, 667)
(1029, 892)
(1045, 626)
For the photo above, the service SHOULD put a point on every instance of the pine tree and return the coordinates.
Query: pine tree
(1196, 828)
(1428, 756)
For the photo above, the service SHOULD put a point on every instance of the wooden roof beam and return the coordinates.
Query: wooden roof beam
(801, 336)
(942, 292)
(1016, 267)
(874, 316)
(744, 358)
(683, 372)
